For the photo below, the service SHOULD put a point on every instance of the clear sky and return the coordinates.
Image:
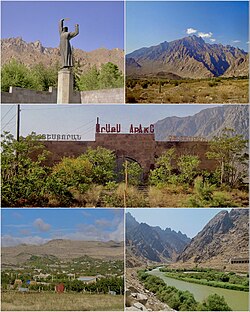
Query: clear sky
(101, 23)
(37, 226)
(81, 119)
(152, 22)
(187, 220)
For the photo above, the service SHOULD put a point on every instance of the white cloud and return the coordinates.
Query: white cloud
(236, 41)
(8, 240)
(205, 35)
(118, 234)
(190, 31)
(212, 39)
(41, 225)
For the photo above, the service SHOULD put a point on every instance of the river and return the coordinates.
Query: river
(237, 300)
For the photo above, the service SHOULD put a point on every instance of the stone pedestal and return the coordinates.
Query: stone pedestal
(65, 86)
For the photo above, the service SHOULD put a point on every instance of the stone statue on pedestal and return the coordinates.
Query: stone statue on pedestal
(65, 48)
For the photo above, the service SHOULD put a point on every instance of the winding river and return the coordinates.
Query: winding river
(237, 300)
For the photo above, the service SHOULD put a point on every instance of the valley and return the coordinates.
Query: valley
(187, 70)
(212, 265)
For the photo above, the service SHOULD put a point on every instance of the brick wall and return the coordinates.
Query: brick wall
(139, 147)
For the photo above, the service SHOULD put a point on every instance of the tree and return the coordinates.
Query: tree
(38, 77)
(215, 303)
(188, 165)
(23, 173)
(134, 171)
(163, 170)
(110, 76)
(17, 74)
(103, 164)
(45, 76)
(228, 151)
(68, 176)
(88, 80)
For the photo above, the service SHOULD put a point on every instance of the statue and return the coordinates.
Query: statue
(65, 48)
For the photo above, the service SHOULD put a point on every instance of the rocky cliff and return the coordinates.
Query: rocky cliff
(33, 52)
(148, 243)
(207, 123)
(225, 236)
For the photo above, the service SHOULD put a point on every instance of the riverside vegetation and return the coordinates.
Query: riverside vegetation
(181, 300)
(210, 277)
(210, 90)
(40, 77)
(92, 179)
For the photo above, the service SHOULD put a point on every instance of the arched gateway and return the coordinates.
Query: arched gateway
(136, 146)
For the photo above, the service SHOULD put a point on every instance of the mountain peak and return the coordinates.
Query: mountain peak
(188, 57)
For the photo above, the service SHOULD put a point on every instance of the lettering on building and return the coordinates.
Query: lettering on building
(61, 137)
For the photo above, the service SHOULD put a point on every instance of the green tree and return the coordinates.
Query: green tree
(88, 80)
(16, 74)
(228, 151)
(134, 171)
(103, 164)
(45, 76)
(188, 165)
(69, 176)
(215, 303)
(110, 76)
(23, 173)
(163, 170)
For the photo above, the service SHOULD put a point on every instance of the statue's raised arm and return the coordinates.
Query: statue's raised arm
(61, 25)
(65, 48)
(76, 32)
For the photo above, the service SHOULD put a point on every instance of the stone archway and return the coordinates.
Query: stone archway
(119, 167)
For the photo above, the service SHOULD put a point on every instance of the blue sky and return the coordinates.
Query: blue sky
(81, 119)
(188, 221)
(152, 22)
(101, 23)
(37, 226)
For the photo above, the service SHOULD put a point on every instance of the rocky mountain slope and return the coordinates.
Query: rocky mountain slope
(189, 57)
(145, 242)
(207, 123)
(63, 249)
(33, 53)
(225, 236)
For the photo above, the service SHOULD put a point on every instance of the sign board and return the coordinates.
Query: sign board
(61, 137)
(117, 128)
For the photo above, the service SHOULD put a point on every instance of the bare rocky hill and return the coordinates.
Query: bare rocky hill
(146, 243)
(63, 249)
(207, 123)
(225, 236)
(189, 57)
(33, 53)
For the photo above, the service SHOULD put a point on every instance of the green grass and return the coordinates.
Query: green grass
(14, 301)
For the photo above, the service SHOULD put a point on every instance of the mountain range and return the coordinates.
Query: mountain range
(144, 242)
(34, 52)
(189, 57)
(63, 249)
(207, 123)
(225, 236)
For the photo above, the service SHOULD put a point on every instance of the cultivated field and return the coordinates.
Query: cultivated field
(217, 90)
(14, 301)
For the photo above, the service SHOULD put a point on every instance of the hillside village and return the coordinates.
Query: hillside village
(45, 272)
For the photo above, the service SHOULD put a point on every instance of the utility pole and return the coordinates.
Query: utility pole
(18, 123)
(126, 184)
